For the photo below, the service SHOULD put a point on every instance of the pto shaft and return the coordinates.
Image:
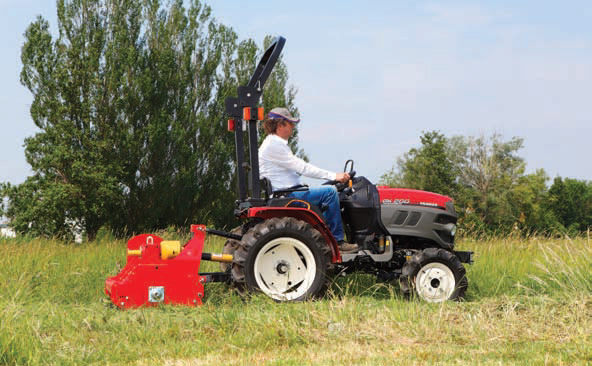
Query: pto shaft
(170, 249)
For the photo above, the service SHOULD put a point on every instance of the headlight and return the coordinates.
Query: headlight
(451, 229)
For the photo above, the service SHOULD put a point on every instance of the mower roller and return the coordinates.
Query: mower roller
(283, 247)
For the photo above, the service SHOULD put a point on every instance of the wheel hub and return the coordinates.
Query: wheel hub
(285, 268)
(435, 282)
(282, 267)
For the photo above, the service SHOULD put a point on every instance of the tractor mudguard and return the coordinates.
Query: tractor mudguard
(303, 214)
(158, 273)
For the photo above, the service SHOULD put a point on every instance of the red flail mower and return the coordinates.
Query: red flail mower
(283, 248)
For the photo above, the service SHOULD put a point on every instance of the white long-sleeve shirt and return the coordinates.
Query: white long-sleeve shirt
(283, 168)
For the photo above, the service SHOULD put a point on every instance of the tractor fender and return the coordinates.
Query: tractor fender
(301, 214)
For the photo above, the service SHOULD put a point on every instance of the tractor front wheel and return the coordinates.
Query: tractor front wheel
(435, 275)
(285, 258)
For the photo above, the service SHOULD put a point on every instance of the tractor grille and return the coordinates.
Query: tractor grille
(445, 219)
(401, 218)
(414, 219)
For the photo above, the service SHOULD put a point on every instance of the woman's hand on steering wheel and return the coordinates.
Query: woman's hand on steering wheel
(342, 177)
(341, 183)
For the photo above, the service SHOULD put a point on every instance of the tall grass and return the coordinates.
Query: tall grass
(514, 266)
(529, 301)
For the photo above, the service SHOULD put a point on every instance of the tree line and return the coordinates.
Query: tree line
(129, 103)
(493, 195)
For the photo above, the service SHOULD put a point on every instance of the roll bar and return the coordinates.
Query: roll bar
(248, 97)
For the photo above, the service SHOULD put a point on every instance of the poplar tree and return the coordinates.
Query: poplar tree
(129, 103)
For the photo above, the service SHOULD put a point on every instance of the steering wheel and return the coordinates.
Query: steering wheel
(352, 173)
(335, 182)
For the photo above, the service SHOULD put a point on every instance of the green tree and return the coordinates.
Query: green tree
(428, 167)
(488, 169)
(529, 210)
(129, 100)
(484, 175)
(570, 200)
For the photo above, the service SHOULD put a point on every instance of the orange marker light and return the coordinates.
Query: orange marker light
(260, 114)
(247, 113)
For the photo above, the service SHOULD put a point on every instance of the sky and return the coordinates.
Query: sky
(373, 76)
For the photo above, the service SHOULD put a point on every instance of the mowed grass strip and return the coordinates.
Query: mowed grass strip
(529, 301)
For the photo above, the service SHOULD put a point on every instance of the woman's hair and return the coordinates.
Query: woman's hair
(271, 124)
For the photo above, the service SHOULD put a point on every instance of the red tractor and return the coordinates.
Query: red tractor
(284, 249)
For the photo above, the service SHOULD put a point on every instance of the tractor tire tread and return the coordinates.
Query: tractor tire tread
(251, 237)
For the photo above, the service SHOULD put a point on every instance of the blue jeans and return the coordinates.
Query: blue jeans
(325, 196)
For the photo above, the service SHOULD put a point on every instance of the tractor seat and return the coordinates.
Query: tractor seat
(279, 198)
(269, 193)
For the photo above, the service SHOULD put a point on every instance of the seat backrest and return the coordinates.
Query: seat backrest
(266, 188)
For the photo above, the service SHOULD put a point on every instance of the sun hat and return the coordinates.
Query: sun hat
(283, 113)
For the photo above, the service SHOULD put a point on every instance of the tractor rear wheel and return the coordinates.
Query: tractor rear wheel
(434, 275)
(285, 258)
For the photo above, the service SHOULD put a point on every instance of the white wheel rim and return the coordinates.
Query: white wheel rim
(435, 282)
(285, 269)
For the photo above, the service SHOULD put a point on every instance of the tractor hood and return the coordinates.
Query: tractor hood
(403, 196)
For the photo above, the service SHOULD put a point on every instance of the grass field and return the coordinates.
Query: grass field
(529, 302)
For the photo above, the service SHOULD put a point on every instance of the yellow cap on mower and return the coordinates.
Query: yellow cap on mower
(169, 249)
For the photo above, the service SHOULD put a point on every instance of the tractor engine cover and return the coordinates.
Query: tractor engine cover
(420, 214)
